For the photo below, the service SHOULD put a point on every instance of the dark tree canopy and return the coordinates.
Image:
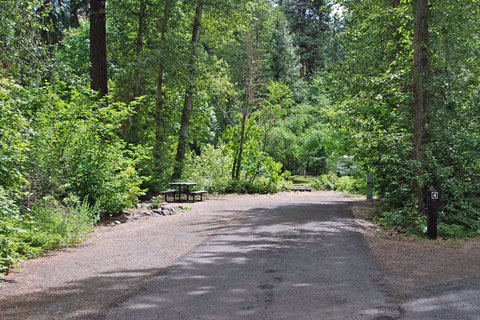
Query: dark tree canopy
(308, 21)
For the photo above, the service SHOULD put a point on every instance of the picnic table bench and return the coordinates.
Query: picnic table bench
(194, 193)
(302, 188)
(167, 193)
(183, 189)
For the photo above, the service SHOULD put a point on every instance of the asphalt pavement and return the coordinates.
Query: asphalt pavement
(284, 260)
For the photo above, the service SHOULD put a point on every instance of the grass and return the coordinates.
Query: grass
(302, 181)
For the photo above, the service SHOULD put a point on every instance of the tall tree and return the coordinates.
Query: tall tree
(141, 26)
(98, 47)
(284, 61)
(159, 106)
(308, 20)
(187, 105)
(250, 77)
(421, 78)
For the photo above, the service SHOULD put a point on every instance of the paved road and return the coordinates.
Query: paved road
(287, 260)
(285, 256)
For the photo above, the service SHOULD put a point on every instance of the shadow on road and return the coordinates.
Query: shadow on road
(287, 261)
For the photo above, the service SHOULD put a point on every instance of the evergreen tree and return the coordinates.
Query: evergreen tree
(284, 62)
(308, 20)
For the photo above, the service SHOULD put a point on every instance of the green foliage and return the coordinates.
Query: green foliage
(75, 150)
(24, 54)
(285, 184)
(73, 52)
(308, 22)
(404, 218)
(256, 163)
(13, 138)
(49, 225)
(282, 56)
(344, 183)
(54, 225)
(10, 231)
(261, 185)
(372, 86)
(211, 169)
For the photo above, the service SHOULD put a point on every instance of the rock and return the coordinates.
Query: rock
(112, 224)
(164, 210)
(117, 222)
(168, 209)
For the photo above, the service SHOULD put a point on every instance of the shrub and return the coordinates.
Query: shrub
(345, 183)
(49, 225)
(55, 225)
(75, 150)
(326, 182)
(14, 128)
(10, 230)
(211, 169)
(284, 185)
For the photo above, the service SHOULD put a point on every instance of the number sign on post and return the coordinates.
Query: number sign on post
(432, 198)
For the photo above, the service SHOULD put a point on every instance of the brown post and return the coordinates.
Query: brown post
(431, 199)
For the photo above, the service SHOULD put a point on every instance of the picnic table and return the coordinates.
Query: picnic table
(183, 188)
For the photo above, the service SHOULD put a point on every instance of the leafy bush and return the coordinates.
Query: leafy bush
(14, 128)
(262, 185)
(345, 183)
(211, 169)
(54, 225)
(10, 230)
(403, 217)
(75, 149)
(285, 184)
(59, 144)
(49, 225)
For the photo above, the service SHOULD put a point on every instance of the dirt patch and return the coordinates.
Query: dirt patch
(411, 264)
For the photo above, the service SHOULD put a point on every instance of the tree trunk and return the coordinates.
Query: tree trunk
(302, 70)
(242, 142)
(141, 24)
(98, 47)
(130, 126)
(159, 123)
(234, 168)
(421, 77)
(187, 105)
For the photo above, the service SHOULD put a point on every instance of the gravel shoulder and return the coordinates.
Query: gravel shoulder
(429, 279)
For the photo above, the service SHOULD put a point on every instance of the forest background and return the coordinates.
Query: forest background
(103, 101)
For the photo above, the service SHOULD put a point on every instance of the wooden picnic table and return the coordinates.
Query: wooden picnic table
(183, 188)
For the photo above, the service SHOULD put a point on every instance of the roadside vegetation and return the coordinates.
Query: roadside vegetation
(237, 96)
